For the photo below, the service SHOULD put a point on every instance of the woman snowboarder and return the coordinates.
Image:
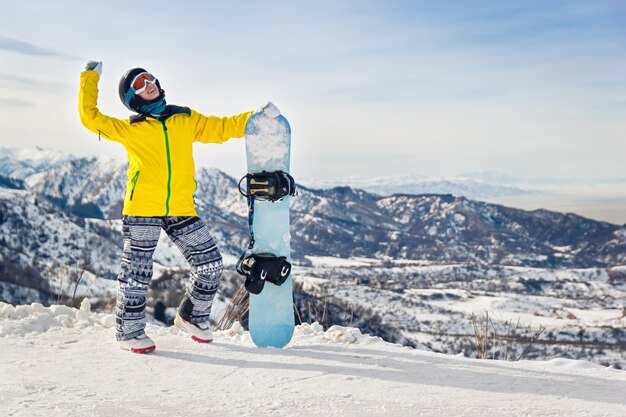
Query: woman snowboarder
(159, 195)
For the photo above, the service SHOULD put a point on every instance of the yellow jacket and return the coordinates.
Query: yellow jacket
(161, 172)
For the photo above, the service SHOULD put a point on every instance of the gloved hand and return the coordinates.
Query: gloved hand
(94, 66)
(270, 110)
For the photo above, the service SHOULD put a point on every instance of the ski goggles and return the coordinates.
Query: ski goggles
(140, 82)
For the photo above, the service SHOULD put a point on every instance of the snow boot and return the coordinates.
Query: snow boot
(200, 332)
(139, 344)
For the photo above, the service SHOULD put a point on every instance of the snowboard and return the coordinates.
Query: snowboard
(271, 316)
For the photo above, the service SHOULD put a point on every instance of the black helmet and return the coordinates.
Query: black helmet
(132, 101)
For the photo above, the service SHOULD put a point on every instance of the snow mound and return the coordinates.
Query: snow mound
(35, 318)
(314, 333)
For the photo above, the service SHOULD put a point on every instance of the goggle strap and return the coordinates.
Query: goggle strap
(129, 96)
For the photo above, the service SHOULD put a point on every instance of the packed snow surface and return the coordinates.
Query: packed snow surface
(59, 361)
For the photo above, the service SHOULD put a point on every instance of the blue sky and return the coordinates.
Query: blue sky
(522, 88)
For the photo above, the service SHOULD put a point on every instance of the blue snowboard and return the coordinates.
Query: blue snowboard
(271, 315)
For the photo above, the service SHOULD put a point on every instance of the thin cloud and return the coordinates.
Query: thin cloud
(10, 81)
(10, 102)
(26, 48)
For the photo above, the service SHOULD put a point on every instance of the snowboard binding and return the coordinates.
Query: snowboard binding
(261, 267)
(268, 186)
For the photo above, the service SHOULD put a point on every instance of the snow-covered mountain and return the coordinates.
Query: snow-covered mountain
(347, 222)
(60, 227)
(87, 187)
(22, 162)
(602, 199)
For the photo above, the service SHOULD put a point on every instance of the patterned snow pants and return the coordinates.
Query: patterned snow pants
(141, 235)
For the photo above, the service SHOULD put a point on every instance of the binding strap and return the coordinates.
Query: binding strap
(268, 186)
(261, 267)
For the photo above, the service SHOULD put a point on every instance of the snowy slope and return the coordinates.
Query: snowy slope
(88, 187)
(59, 361)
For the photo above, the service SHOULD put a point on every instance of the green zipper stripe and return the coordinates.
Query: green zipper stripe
(169, 169)
(134, 183)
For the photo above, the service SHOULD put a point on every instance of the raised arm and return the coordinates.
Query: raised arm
(102, 125)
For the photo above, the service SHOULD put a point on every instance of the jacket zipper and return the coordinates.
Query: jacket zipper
(100, 132)
(169, 168)
(134, 184)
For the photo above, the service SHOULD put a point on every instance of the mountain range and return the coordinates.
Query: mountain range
(347, 222)
(469, 187)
